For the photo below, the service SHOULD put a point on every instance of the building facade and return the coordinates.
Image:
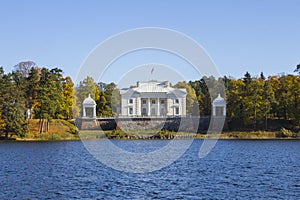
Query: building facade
(153, 98)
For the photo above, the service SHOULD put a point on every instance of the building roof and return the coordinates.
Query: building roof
(154, 87)
(89, 101)
(219, 101)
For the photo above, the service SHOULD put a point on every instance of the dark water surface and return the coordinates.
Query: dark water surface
(235, 169)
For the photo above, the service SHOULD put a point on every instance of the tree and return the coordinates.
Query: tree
(268, 98)
(56, 87)
(32, 90)
(102, 109)
(205, 107)
(68, 98)
(197, 104)
(12, 107)
(234, 99)
(190, 97)
(297, 69)
(247, 78)
(291, 87)
(25, 67)
(108, 100)
(49, 97)
(84, 88)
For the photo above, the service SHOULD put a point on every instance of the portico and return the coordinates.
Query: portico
(153, 98)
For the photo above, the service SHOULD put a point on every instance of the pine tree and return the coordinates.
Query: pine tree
(32, 90)
(12, 108)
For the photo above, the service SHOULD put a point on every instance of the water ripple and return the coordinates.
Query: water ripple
(233, 170)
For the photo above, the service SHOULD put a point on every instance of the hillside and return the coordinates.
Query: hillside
(58, 130)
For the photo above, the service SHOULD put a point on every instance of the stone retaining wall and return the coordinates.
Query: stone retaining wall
(182, 124)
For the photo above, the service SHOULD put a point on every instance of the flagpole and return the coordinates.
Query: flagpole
(152, 73)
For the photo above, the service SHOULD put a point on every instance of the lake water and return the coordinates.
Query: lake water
(235, 169)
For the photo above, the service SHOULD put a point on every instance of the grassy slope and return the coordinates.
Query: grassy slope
(58, 130)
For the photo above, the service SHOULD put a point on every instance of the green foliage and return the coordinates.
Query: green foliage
(46, 93)
(68, 98)
(191, 98)
(109, 99)
(84, 88)
(107, 96)
(12, 105)
(32, 88)
(206, 89)
(287, 133)
(253, 100)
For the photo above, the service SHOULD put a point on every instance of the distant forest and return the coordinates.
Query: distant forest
(41, 93)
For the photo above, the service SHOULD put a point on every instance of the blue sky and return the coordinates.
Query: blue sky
(239, 36)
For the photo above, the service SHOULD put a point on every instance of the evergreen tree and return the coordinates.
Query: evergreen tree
(49, 97)
(297, 68)
(205, 107)
(12, 110)
(32, 90)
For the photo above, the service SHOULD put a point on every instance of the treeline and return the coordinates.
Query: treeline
(251, 101)
(32, 92)
(36, 93)
(106, 96)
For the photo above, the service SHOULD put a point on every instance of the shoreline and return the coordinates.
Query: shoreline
(73, 140)
(181, 136)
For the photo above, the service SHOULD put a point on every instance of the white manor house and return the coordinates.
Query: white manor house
(153, 98)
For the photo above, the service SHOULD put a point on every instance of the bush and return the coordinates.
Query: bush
(287, 133)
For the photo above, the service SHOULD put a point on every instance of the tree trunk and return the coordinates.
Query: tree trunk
(254, 125)
(266, 119)
(6, 133)
(41, 126)
(47, 126)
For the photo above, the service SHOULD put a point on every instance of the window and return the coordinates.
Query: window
(176, 100)
(130, 101)
(144, 111)
(153, 101)
(130, 111)
(162, 111)
(153, 111)
(162, 101)
(219, 111)
(144, 102)
(177, 111)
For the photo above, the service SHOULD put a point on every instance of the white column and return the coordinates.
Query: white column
(158, 108)
(94, 111)
(166, 107)
(138, 107)
(148, 106)
(224, 111)
(83, 111)
(214, 110)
